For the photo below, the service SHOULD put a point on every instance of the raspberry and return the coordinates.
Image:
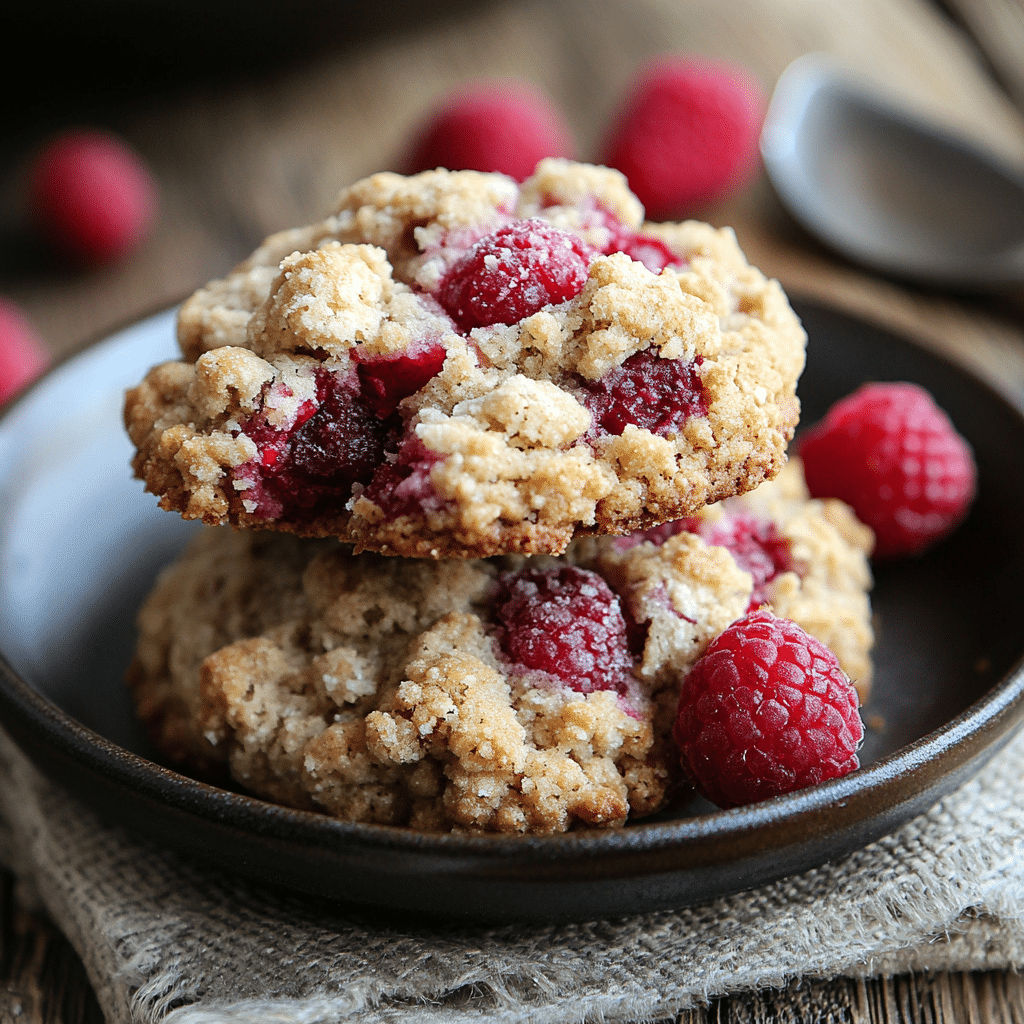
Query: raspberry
(765, 711)
(385, 380)
(657, 394)
(565, 622)
(892, 454)
(340, 440)
(333, 444)
(92, 195)
(687, 134)
(497, 126)
(512, 273)
(22, 355)
(757, 547)
(402, 486)
(652, 252)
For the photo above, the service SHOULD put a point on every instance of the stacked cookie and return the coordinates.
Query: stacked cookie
(495, 459)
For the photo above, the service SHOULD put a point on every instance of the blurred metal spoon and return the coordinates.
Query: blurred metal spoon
(888, 189)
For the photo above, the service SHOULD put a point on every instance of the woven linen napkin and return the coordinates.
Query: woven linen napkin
(165, 940)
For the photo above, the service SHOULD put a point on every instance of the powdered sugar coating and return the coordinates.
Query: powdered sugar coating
(379, 690)
(512, 459)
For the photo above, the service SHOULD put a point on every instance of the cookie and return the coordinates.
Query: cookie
(509, 694)
(455, 365)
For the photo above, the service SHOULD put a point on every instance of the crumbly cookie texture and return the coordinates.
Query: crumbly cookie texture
(452, 364)
(507, 694)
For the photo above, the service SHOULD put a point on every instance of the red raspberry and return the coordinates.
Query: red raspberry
(646, 391)
(652, 252)
(765, 711)
(514, 272)
(402, 485)
(687, 134)
(92, 195)
(492, 126)
(756, 546)
(334, 443)
(385, 380)
(893, 455)
(22, 355)
(565, 622)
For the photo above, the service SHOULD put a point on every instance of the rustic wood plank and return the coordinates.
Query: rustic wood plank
(42, 980)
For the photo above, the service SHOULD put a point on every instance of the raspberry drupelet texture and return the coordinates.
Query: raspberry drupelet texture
(892, 454)
(567, 623)
(514, 273)
(766, 710)
(453, 364)
(501, 694)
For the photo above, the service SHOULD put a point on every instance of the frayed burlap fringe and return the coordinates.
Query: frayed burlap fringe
(163, 940)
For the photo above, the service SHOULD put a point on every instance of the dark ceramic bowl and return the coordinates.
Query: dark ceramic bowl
(80, 544)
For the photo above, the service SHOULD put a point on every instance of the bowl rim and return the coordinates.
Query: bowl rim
(921, 771)
(898, 778)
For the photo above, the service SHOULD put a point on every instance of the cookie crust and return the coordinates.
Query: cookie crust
(376, 690)
(498, 450)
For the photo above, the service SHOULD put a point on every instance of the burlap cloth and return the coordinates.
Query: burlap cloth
(166, 940)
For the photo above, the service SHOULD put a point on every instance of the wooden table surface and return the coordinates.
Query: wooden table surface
(254, 116)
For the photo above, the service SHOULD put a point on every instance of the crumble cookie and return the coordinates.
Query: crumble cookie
(508, 694)
(455, 365)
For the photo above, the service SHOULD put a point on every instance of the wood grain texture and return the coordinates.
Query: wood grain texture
(268, 144)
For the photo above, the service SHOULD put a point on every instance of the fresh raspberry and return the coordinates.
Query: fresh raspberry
(765, 711)
(491, 126)
(92, 195)
(687, 134)
(512, 273)
(647, 391)
(22, 355)
(565, 622)
(892, 454)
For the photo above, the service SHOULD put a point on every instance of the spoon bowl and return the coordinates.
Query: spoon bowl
(889, 189)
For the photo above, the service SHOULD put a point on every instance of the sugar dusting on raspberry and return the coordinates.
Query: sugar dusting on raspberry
(894, 456)
(513, 273)
(756, 545)
(565, 622)
(491, 126)
(765, 711)
(656, 394)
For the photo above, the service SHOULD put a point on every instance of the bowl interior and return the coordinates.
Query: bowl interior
(80, 545)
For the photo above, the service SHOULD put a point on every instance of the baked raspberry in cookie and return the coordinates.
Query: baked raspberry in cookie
(506, 694)
(454, 364)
